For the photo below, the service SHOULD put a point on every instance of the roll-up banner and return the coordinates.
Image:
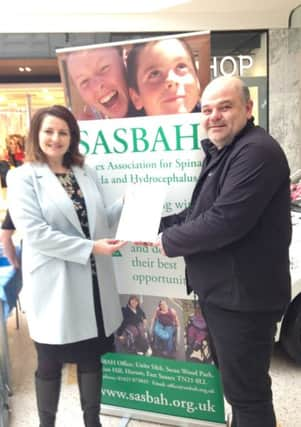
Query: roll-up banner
(138, 105)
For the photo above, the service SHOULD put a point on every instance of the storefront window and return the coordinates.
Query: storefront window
(19, 101)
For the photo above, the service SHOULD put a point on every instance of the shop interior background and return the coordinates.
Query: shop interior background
(29, 74)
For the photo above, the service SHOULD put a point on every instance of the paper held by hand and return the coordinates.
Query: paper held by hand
(141, 213)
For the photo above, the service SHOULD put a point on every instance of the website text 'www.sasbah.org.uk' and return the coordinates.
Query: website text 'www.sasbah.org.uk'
(160, 400)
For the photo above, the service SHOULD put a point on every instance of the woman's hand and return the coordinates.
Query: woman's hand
(107, 246)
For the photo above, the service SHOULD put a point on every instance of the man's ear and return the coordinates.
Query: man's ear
(135, 98)
(249, 107)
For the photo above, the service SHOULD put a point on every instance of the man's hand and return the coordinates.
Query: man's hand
(157, 244)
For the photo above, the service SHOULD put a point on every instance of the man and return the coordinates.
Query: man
(6, 233)
(235, 238)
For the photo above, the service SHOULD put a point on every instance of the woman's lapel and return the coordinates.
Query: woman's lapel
(88, 190)
(54, 190)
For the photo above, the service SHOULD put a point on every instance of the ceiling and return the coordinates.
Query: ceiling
(40, 70)
(39, 86)
(136, 15)
(59, 7)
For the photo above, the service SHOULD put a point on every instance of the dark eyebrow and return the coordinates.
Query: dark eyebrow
(221, 103)
(226, 101)
(60, 130)
(158, 65)
(205, 106)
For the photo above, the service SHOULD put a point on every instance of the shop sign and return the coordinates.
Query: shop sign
(230, 65)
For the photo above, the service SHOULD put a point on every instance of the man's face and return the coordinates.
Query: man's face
(166, 79)
(224, 111)
(100, 80)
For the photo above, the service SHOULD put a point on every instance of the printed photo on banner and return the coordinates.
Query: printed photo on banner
(151, 326)
(157, 76)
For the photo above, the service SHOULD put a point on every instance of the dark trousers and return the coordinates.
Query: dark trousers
(243, 344)
(51, 368)
(48, 381)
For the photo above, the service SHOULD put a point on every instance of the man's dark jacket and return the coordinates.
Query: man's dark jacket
(236, 233)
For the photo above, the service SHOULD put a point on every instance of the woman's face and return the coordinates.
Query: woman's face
(133, 303)
(163, 306)
(166, 79)
(54, 138)
(99, 77)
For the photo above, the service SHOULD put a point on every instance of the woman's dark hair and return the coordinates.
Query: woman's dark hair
(133, 58)
(32, 146)
(132, 298)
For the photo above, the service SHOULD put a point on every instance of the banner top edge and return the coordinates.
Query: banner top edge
(130, 41)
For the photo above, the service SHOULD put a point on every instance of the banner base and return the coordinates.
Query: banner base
(153, 417)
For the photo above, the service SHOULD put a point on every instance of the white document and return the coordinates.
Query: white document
(141, 213)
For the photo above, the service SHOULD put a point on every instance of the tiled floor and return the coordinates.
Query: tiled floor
(23, 405)
(285, 374)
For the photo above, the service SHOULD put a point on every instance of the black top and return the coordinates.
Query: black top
(236, 233)
(7, 223)
(131, 317)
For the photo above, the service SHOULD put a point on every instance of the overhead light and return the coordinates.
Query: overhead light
(22, 69)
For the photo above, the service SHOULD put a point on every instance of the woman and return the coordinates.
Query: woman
(100, 79)
(132, 332)
(72, 304)
(164, 325)
(4, 168)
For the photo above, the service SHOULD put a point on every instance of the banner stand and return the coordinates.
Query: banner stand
(124, 422)
(168, 420)
(162, 369)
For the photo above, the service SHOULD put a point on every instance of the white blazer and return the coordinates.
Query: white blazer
(57, 277)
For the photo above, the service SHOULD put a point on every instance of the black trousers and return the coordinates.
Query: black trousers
(243, 345)
(51, 368)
